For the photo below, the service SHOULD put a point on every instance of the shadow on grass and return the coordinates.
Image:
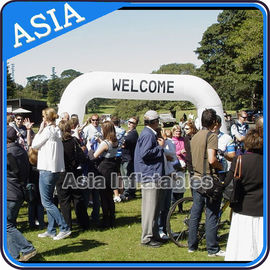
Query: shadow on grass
(74, 247)
(123, 221)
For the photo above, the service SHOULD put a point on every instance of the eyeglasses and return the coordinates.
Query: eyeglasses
(94, 120)
(131, 123)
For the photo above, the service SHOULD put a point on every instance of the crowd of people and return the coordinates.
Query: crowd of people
(63, 151)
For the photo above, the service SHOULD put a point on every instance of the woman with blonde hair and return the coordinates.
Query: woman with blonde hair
(48, 142)
(107, 150)
(179, 144)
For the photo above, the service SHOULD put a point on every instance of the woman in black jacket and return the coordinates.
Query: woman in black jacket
(190, 130)
(73, 157)
(246, 233)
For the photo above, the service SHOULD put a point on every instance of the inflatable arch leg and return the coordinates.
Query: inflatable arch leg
(138, 86)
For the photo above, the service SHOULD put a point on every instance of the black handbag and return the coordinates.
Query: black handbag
(211, 186)
(231, 192)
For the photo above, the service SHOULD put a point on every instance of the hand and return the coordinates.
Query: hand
(161, 142)
(27, 123)
(183, 151)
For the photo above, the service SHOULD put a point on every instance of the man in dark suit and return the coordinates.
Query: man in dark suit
(149, 163)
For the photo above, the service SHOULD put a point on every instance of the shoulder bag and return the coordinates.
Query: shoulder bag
(231, 192)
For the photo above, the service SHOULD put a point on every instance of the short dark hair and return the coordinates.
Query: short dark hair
(19, 115)
(218, 119)
(209, 117)
(115, 120)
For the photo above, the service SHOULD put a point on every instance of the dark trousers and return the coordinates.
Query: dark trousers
(175, 197)
(106, 168)
(108, 206)
(65, 197)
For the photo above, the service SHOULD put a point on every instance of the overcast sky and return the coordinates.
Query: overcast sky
(123, 41)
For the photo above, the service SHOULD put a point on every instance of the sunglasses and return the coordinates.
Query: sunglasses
(19, 119)
(94, 120)
(244, 117)
(187, 128)
(131, 122)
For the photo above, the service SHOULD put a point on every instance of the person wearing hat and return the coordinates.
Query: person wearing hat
(149, 168)
(17, 174)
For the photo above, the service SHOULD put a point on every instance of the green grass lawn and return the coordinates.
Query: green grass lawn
(120, 244)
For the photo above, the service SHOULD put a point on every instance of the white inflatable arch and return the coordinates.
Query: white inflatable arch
(139, 87)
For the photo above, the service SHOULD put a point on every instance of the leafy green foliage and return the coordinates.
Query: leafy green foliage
(11, 86)
(232, 53)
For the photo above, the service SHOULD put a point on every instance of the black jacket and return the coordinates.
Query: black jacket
(251, 185)
(130, 141)
(17, 171)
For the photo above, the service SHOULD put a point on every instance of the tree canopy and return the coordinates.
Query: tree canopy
(232, 55)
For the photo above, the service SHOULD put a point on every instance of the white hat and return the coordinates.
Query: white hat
(151, 115)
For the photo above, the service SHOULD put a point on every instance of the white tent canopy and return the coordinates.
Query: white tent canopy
(139, 87)
(21, 110)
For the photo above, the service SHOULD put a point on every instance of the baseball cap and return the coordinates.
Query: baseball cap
(151, 115)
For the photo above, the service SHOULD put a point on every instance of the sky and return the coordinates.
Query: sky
(132, 41)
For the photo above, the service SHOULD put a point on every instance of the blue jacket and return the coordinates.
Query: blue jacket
(148, 157)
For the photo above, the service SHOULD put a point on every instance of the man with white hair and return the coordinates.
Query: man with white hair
(64, 116)
(149, 163)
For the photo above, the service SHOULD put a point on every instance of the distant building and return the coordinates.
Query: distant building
(35, 106)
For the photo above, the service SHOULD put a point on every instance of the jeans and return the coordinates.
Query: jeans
(212, 209)
(47, 181)
(16, 242)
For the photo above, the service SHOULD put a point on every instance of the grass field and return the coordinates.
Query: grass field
(120, 244)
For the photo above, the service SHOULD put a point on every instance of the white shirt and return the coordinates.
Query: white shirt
(89, 132)
(225, 144)
(50, 150)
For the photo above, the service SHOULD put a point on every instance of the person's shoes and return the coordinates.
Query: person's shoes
(28, 256)
(191, 250)
(220, 253)
(46, 234)
(62, 235)
(152, 243)
(163, 235)
(117, 199)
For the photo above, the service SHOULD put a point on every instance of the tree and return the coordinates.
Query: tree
(38, 84)
(175, 68)
(11, 86)
(54, 91)
(70, 73)
(231, 51)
